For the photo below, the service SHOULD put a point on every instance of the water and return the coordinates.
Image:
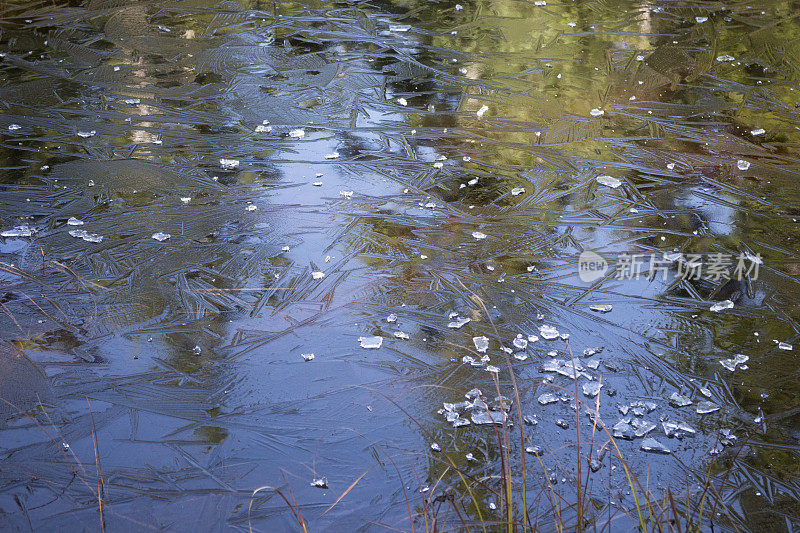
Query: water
(259, 181)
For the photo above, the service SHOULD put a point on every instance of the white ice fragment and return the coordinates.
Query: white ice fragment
(87, 134)
(435, 447)
(493, 369)
(623, 429)
(132, 101)
(520, 343)
(547, 398)
(754, 258)
(742, 164)
(298, 133)
(228, 164)
(473, 393)
(307, 356)
(262, 128)
(592, 388)
(533, 450)
(399, 27)
(785, 346)
(725, 58)
(371, 342)
(346, 194)
(516, 191)
(14, 127)
(458, 323)
(332, 155)
(85, 235)
(608, 181)
(737, 360)
(317, 184)
(391, 318)
(601, 308)
(72, 221)
(706, 407)
(401, 335)
(320, 483)
(677, 429)
(759, 131)
(571, 24)
(548, 332)
(481, 343)
(678, 400)
(596, 112)
(482, 111)
(671, 166)
(459, 7)
(539, 3)
(569, 369)
(252, 207)
(318, 275)
(488, 417)
(402, 101)
(721, 306)
(642, 427)
(19, 231)
(186, 199)
(653, 446)
(161, 236)
(700, 20)
(478, 235)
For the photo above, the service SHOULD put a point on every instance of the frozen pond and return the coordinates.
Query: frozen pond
(416, 265)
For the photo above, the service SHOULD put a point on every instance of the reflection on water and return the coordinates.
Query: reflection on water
(437, 163)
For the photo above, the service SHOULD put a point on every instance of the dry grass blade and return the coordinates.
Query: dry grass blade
(100, 481)
(351, 487)
(298, 516)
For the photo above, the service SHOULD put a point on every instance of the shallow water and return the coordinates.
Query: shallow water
(258, 182)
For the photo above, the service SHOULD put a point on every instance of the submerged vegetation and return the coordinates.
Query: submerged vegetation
(414, 265)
